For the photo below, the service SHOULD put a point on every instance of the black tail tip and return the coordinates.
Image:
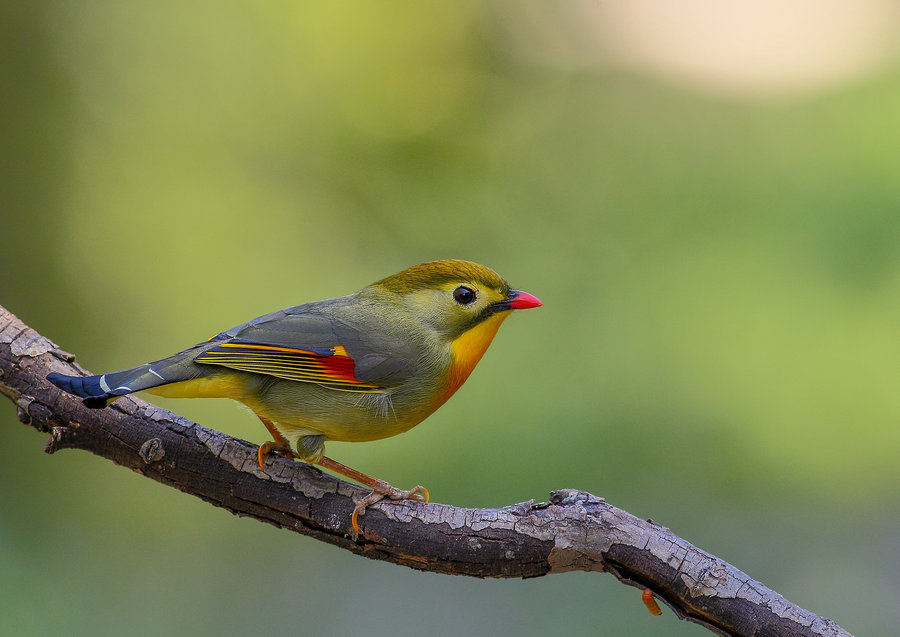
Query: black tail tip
(63, 382)
(86, 387)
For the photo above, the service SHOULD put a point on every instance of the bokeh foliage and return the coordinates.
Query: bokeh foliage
(718, 348)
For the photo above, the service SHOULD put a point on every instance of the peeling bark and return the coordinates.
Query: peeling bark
(574, 530)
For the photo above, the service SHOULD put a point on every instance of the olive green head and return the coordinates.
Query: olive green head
(452, 296)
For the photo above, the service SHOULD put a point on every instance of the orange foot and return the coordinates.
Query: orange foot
(380, 489)
(282, 447)
(418, 493)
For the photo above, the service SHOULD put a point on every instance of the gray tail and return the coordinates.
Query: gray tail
(99, 391)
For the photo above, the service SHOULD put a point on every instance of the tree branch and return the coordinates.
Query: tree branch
(573, 531)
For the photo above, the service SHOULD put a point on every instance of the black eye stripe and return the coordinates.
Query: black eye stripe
(464, 295)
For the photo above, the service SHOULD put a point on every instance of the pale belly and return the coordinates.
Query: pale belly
(302, 409)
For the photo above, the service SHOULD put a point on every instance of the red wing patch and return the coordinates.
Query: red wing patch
(329, 367)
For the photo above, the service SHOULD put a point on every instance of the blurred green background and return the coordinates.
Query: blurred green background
(707, 202)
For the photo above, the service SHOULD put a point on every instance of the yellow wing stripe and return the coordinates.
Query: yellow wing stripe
(272, 367)
(275, 365)
(331, 368)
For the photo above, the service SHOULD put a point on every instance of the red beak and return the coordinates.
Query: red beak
(519, 300)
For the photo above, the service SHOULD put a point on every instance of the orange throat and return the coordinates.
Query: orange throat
(468, 349)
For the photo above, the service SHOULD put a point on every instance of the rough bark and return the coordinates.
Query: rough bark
(574, 530)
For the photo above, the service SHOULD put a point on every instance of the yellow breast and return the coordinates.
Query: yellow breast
(468, 349)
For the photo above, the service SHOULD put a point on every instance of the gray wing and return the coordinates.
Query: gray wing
(316, 342)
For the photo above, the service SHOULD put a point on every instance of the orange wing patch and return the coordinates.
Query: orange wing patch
(330, 367)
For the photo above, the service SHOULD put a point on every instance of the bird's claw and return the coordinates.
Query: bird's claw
(417, 493)
(273, 447)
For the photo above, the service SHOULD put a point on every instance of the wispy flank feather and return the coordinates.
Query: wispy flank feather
(381, 404)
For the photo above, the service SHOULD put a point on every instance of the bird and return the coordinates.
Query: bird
(360, 367)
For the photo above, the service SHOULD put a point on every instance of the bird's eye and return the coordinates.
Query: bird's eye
(464, 295)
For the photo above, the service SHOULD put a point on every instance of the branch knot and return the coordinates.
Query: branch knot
(152, 450)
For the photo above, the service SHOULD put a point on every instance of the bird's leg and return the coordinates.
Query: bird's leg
(380, 489)
(278, 445)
